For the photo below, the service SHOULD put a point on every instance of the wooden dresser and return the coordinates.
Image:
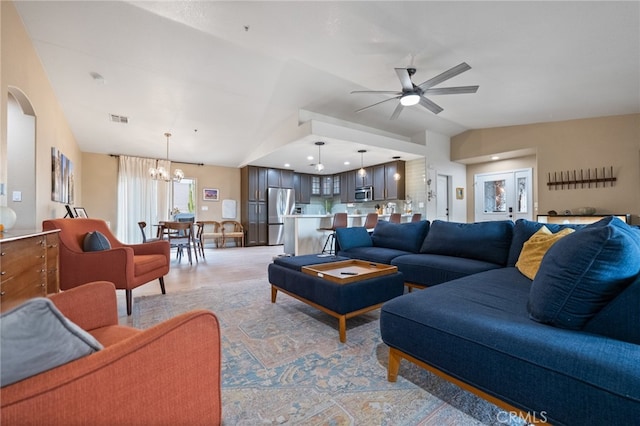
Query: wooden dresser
(28, 266)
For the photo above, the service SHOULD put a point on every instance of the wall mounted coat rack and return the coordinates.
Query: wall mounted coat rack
(582, 178)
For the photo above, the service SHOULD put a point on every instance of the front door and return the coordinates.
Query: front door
(504, 195)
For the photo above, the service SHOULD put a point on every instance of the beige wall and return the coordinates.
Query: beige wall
(565, 146)
(100, 187)
(21, 70)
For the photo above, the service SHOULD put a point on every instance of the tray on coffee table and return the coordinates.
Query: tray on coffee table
(349, 271)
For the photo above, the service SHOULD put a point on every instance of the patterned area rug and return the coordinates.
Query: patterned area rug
(283, 364)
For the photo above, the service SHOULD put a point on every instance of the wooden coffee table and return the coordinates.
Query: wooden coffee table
(342, 289)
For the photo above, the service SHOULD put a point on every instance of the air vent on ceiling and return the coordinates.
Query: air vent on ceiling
(119, 118)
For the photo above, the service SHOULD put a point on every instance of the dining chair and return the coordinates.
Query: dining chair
(339, 221)
(417, 217)
(143, 226)
(232, 229)
(180, 236)
(395, 218)
(211, 230)
(371, 221)
(198, 243)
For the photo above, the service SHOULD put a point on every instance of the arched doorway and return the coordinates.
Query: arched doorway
(21, 159)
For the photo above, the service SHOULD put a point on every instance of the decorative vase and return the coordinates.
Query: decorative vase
(7, 217)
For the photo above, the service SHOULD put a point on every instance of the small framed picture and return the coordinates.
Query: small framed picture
(210, 194)
(459, 193)
(80, 212)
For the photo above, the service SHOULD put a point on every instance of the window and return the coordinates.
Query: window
(184, 196)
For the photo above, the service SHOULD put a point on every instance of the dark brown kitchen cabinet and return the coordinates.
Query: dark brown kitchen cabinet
(256, 224)
(326, 186)
(302, 188)
(395, 179)
(379, 182)
(286, 178)
(254, 183)
(277, 178)
(350, 178)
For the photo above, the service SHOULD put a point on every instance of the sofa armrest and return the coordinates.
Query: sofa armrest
(167, 374)
(90, 306)
(152, 247)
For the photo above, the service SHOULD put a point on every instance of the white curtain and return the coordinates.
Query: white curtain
(140, 198)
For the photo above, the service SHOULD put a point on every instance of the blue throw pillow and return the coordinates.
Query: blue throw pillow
(524, 229)
(95, 241)
(400, 236)
(36, 337)
(356, 236)
(486, 241)
(583, 272)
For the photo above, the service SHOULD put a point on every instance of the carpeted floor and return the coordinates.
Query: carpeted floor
(283, 364)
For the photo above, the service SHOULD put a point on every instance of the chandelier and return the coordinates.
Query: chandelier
(160, 173)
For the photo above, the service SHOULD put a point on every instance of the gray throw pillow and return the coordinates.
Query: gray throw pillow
(36, 337)
(95, 241)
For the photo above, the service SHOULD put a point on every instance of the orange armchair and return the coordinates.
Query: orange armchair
(127, 266)
(167, 374)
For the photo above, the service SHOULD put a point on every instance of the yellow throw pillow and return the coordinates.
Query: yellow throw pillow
(535, 248)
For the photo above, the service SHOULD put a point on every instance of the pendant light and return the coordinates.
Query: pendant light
(319, 166)
(160, 173)
(362, 172)
(396, 175)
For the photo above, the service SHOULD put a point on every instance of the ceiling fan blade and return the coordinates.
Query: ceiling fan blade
(405, 78)
(378, 103)
(384, 92)
(451, 90)
(397, 111)
(430, 105)
(450, 73)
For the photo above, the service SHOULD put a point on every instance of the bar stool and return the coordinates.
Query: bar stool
(395, 218)
(339, 221)
(371, 221)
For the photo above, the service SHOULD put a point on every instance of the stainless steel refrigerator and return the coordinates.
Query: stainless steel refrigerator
(280, 202)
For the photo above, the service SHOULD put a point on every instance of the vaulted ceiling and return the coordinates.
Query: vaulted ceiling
(233, 80)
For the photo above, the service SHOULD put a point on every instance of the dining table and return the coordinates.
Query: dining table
(164, 231)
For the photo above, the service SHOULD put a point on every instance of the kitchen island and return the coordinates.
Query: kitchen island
(301, 234)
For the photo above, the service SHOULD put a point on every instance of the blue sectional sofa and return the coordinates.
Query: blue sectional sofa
(563, 347)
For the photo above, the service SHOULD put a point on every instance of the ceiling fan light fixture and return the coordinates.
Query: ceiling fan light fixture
(410, 99)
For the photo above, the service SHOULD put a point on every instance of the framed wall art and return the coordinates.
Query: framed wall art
(210, 194)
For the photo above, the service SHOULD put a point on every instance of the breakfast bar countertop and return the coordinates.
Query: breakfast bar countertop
(302, 234)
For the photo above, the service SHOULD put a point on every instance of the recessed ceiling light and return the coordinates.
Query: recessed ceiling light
(310, 157)
(346, 163)
(495, 157)
(287, 165)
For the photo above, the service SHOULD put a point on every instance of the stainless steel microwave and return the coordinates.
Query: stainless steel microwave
(364, 193)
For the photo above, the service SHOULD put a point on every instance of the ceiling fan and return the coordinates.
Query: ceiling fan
(412, 94)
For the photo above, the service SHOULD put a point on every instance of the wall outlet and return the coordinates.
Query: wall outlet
(16, 196)
(204, 208)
